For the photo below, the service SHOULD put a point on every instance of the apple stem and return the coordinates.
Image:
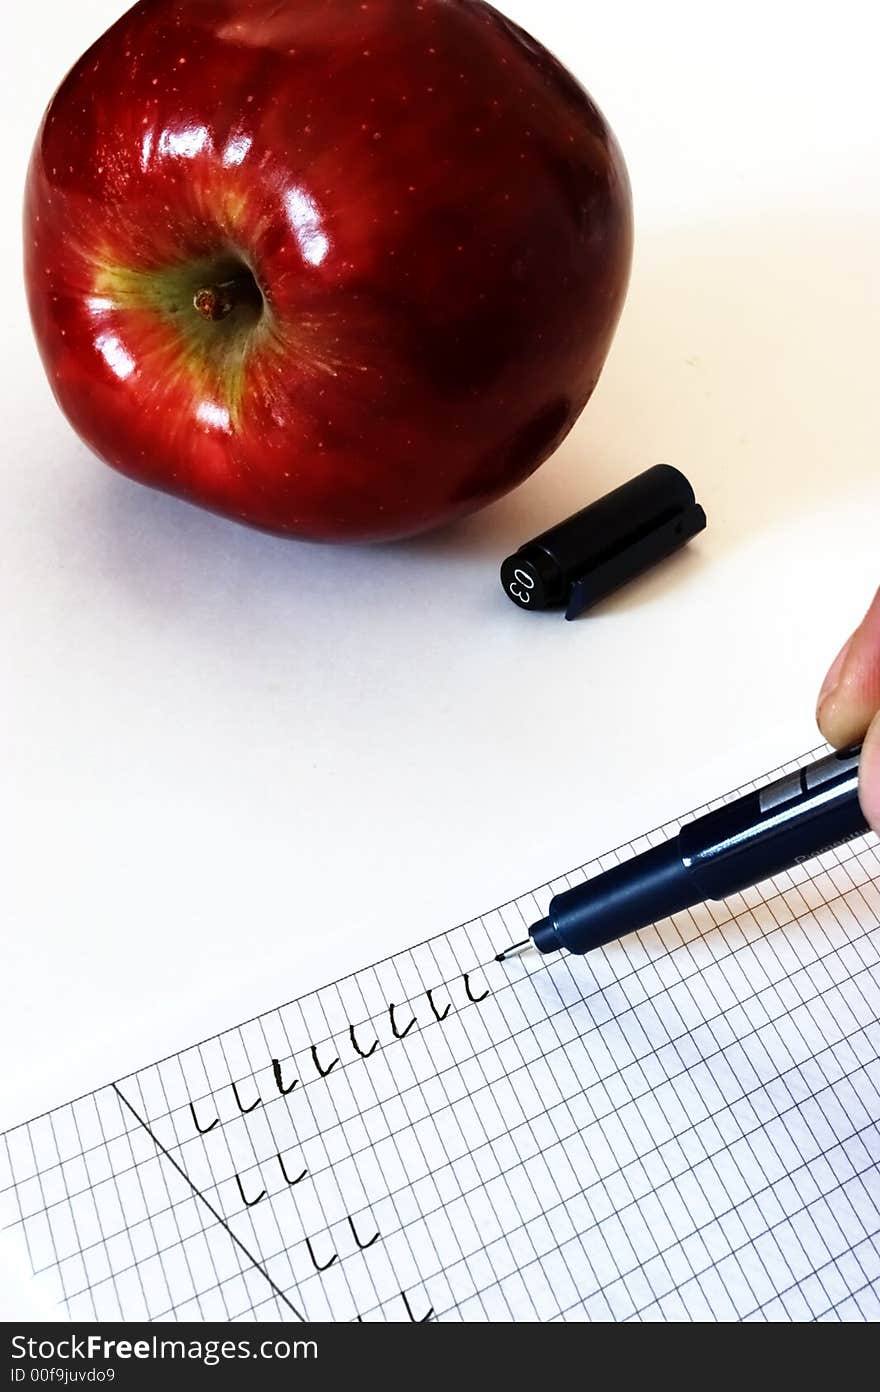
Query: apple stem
(216, 301)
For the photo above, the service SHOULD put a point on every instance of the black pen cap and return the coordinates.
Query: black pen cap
(595, 552)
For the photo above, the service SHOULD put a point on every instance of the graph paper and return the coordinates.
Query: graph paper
(680, 1126)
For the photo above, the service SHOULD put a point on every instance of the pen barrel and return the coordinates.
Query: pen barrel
(767, 832)
(741, 844)
(617, 902)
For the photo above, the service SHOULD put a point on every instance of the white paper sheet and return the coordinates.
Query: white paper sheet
(683, 1125)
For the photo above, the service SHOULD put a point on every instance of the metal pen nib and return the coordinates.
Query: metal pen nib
(516, 951)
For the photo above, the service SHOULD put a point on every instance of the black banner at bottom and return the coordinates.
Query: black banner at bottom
(269, 1355)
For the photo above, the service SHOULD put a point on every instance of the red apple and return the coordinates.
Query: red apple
(342, 269)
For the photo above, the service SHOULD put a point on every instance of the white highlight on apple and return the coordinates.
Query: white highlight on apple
(305, 219)
(115, 355)
(184, 143)
(211, 414)
(236, 148)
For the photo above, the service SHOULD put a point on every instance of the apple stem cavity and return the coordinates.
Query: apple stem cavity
(215, 308)
(215, 302)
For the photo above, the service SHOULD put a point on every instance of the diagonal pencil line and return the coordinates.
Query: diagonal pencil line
(199, 1195)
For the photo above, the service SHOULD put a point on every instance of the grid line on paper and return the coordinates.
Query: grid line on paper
(684, 1125)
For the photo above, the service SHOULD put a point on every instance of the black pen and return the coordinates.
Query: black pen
(740, 844)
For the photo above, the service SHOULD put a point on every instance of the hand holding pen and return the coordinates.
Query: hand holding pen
(761, 834)
(849, 706)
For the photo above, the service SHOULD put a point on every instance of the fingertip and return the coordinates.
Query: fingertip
(850, 695)
(841, 722)
(835, 672)
(830, 724)
(869, 775)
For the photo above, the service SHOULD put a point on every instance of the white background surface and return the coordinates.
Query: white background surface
(234, 766)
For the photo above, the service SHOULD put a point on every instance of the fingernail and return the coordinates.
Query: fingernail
(835, 672)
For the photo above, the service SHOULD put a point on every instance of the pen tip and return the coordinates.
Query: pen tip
(515, 951)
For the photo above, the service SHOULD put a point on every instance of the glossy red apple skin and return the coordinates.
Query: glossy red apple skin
(438, 220)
